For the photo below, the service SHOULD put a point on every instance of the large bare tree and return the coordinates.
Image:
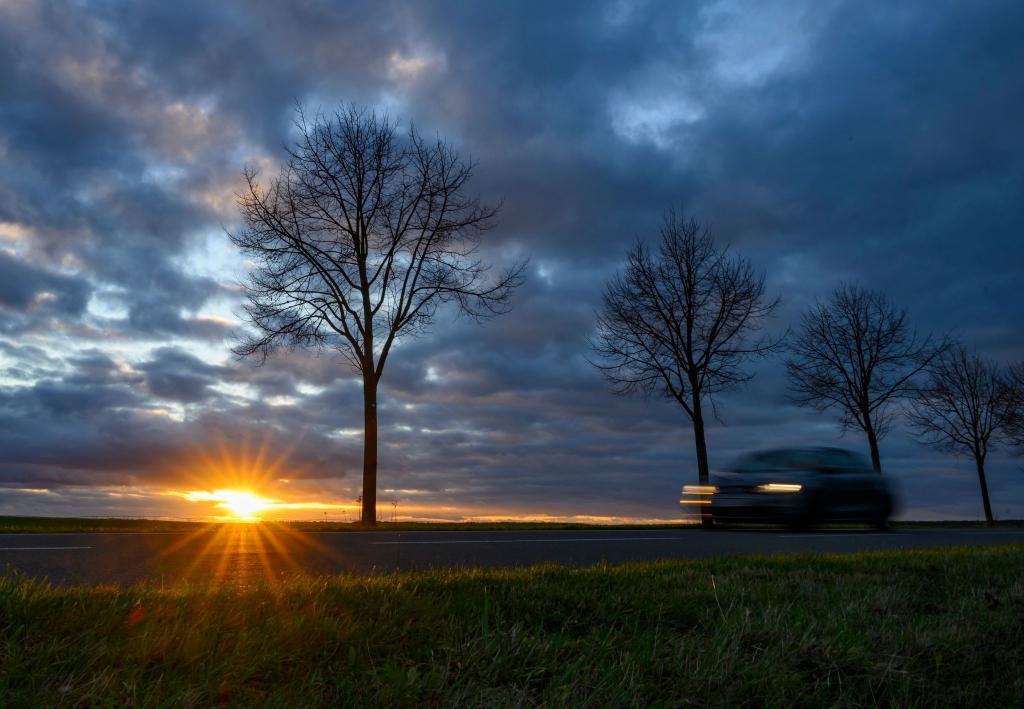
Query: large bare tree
(856, 352)
(962, 408)
(358, 240)
(682, 322)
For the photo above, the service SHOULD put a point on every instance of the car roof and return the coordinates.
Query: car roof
(832, 449)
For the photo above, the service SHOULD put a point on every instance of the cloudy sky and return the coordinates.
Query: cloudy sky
(827, 141)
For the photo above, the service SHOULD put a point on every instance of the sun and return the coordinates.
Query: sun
(243, 506)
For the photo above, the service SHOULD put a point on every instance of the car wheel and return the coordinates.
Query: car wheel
(807, 518)
(716, 523)
(803, 523)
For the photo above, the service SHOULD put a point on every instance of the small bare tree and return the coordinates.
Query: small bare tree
(962, 407)
(857, 352)
(365, 232)
(682, 322)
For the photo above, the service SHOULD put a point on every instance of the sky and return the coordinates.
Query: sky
(827, 141)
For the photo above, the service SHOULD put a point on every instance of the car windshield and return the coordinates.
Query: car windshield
(824, 459)
(764, 462)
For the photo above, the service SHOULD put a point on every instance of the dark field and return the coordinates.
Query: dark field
(935, 628)
(16, 525)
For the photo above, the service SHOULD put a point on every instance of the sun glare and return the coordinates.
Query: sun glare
(241, 505)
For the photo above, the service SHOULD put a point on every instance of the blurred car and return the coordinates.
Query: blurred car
(799, 487)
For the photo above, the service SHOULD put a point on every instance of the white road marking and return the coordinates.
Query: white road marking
(533, 541)
(835, 534)
(41, 548)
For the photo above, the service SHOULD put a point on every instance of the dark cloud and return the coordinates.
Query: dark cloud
(827, 141)
(178, 376)
(29, 293)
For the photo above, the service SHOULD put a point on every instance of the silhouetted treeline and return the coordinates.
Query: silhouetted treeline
(685, 321)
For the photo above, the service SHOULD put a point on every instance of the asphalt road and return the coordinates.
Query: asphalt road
(246, 553)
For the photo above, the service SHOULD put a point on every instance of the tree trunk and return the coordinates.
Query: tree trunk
(980, 464)
(369, 512)
(703, 471)
(876, 459)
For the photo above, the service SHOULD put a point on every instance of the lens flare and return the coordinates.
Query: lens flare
(242, 505)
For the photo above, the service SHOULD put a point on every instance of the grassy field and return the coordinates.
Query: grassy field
(931, 628)
(17, 525)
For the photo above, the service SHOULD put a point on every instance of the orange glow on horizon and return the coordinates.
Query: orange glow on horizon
(242, 505)
(258, 481)
(246, 480)
(249, 506)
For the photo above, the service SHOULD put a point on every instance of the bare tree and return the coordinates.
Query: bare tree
(365, 232)
(962, 406)
(1015, 391)
(857, 353)
(682, 323)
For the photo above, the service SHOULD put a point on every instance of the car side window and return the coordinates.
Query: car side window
(839, 461)
(772, 462)
(761, 463)
(827, 463)
(806, 460)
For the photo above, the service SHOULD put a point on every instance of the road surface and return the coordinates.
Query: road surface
(247, 553)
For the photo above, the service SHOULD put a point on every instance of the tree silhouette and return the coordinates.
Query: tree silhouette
(1015, 384)
(857, 353)
(364, 233)
(682, 322)
(962, 406)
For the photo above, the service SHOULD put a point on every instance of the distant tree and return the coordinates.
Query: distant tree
(857, 353)
(962, 407)
(682, 322)
(1015, 384)
(364, 233)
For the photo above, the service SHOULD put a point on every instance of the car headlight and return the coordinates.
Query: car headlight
(697, 494)
(780, 487)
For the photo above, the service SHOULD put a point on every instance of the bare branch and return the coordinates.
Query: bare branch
(1015, 392)
(857, 353)
(357, 242)
(964, 404)
(683, 322)
(360, 238)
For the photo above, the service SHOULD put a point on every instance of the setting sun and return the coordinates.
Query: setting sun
(243, 506)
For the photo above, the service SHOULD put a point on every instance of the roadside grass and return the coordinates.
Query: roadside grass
(921, 628)
(18, 525)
